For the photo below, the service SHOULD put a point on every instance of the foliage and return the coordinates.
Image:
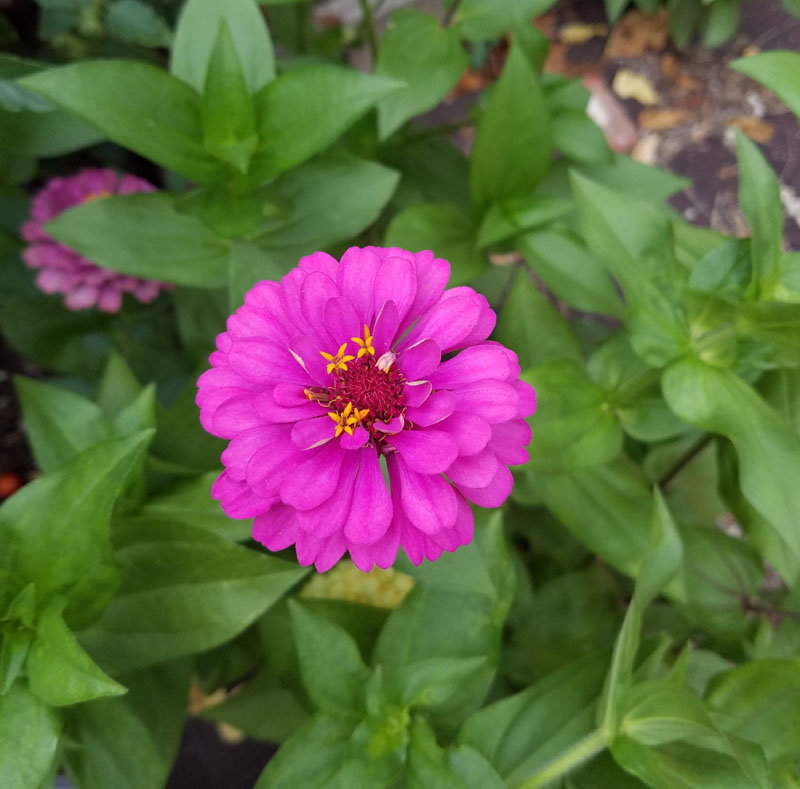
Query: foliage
(602, 629)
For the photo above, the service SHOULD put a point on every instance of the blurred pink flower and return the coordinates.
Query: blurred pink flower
(63, 270)
(345, 375)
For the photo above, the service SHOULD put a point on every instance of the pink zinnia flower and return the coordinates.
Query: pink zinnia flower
(344, 370)
(63, 270)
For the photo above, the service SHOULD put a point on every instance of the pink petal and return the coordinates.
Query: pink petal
(385, 330)
(269, 411)
(425, 451)
(475, 364)
(470, 431)
(527, 398)
(319, 261)
(276, 529)
(329, 517)
(493, 494)
(420, 360)
(428, 501)
(416, 393)
(355, 277)
(312, 433)
(448, 323)
(234, 416)
(432, 276)
(509, 440)
(237, 499)
(371, 508)
(244, 445)
(474, 471)
(330, 552)
(494, 401)
(306, 353)
(383, 552)
(359, 439)
(317, 289)
(323, 468)
(264, 362)
(436, 408)
(396, 281)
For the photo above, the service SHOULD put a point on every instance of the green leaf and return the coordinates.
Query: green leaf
(775, 326)
(144, 236)
(579, 138)
(196, 34)
(683, 18)
(634, 179)
(51, 133)
(138, 106)
(183, 590)
(248, 265)
(263, 709)
(138, 23)
(575, 426)
(15, 643)
(130, 742)
(486, 20)
(660, 564)
(455, 610)
(760, 201)
(532, 327)
(311, 757)
(722, 22)
(59, 423)
(189, 502)
(60, 673)
(118, 386)
(460, 767)
(54, 531)
(427, 57)
(512, 217)
(305, 110)
(333, 198)
(227, 114)
(683, 766)
(614, 9)
(332, 669)
(29, 733)
(512, 144)
(760, 701)
(574, 274)
(428, 684)
(446, 230)
(523, 733)
(605, 507)
(779, 71)
(634, 241)
(769, 454)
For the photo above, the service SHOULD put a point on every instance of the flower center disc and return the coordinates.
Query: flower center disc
(367, 387)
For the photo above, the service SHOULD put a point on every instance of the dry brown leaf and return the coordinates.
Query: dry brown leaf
(630, 85)
(646, 150)
(756, 129)
(581, 33)
(660, 119)
(636, 32)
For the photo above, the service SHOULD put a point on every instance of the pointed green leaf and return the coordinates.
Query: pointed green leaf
(29, 732)
(333, 672)
(54, 531)
(416, 50)
(512, 145)
(60, 673)
(184, 590)
(144, 236)
(59, 423)
(196, 34)
(779, 71)
(138, 106)
(760, 201)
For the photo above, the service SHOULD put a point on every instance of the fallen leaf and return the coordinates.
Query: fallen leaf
(636, 32)
(750, 50)
(581, 33)
(660, 119)
(630, 85)
(607, 112)
(646, 150)
(756, 129)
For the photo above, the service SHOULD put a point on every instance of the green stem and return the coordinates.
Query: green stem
(369, 26)
(683, 461)
(451, 13)
(574, 756)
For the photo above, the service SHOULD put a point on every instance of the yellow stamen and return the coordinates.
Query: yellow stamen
(366, 346)
(338, 362)
(348, 420)
(97, 196)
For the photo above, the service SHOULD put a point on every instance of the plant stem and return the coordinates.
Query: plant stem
(450, 15)
(684, 460)
(424, 132)
(575, 755)
(369, 27)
